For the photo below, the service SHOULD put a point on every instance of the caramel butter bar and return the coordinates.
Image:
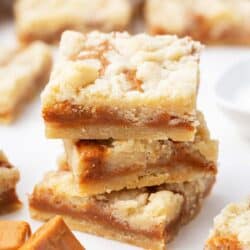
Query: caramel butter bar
(121, 215)
(46, 20)
(212, 22)
(231, 229)
(121, 86)
(13, 234)
(9, 176)
(108, 165)
(54, 235)
(22, 74)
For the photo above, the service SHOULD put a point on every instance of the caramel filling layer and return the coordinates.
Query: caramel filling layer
(94, 212)
(95, 153)
(66, 114)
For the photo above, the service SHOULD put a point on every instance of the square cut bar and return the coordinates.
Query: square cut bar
(121, 86)
(231, 229)
(53, 235)
(46, 20)
(108, 165)
(9, 176)
(13, 234)
(23, 72)
(121, 215)
(209, 21)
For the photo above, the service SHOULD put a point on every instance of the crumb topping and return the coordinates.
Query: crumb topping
(139, 67)
(234, 220)
(155, 208)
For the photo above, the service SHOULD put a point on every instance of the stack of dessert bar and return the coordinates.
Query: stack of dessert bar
(139, 158)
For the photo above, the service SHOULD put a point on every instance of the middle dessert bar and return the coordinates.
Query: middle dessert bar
(121, 86)
(107, 165)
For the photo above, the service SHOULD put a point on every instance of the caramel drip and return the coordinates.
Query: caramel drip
(131, 77)
(97, 52)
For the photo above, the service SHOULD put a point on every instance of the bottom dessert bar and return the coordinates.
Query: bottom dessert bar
(231, 228)
(9, 177)
(121, 215)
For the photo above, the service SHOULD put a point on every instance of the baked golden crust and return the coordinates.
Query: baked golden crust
(121, 215)
(231, 229)
(13, 234)
(9, 176)
(103, 81)
(46, 20)
(22, 74)
(53, 235)
(212, 22)
(106, 165)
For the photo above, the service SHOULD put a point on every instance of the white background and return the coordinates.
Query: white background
(28, 149)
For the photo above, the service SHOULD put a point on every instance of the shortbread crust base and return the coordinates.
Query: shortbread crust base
(102, 132)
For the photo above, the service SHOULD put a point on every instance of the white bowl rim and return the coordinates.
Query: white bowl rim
(223, 101)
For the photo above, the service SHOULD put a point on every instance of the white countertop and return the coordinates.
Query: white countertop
(29, 150)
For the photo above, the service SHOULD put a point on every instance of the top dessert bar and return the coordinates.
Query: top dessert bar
(209, 21)
(46, 20)
(122, 86)
(231, 228)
